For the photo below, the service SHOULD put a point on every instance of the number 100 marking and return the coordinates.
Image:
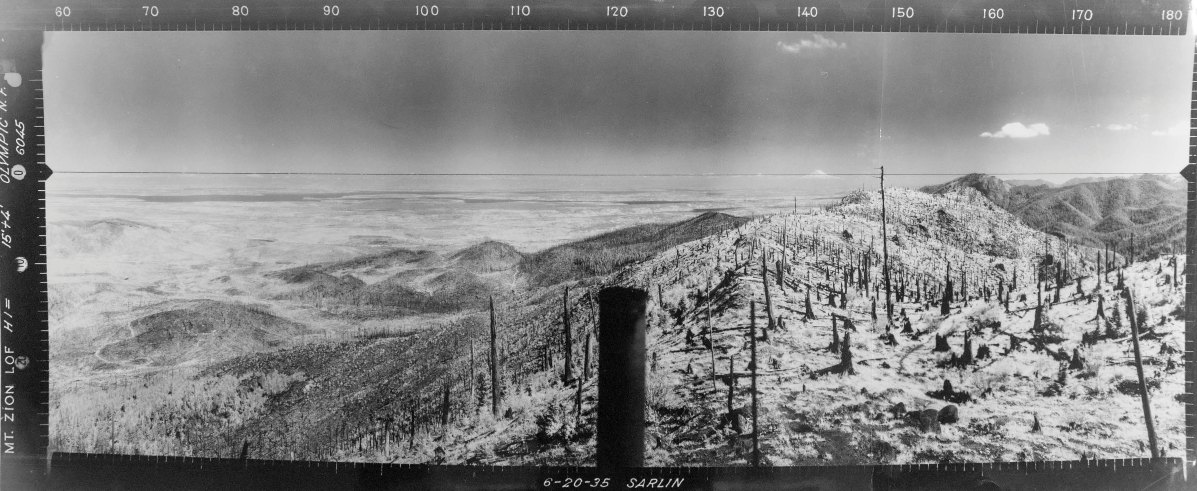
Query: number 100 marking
(427, 10)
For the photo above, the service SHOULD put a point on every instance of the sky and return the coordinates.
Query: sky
(615, 102)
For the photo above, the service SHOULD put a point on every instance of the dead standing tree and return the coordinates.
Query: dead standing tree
(889, 304)
(768, 298)
(1134, 322)
(756, 449)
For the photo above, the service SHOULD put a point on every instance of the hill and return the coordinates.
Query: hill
(194, 330)
(488, 257)
(990, 187)
(605, 253)
(1094, 212)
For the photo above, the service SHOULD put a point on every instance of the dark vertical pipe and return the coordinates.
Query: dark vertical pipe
(621, 377)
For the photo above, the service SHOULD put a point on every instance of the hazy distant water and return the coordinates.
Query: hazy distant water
(530, 212)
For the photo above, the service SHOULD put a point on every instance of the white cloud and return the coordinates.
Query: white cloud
(1120, 127)
(1178, 129)
(818, 43)
(819, 174)
(1019, 130)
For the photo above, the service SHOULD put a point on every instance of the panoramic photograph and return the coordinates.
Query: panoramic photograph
(392, 246)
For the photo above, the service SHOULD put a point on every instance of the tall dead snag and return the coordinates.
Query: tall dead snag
(731, 387)
(472, 388)
(756, 449)
(1098, 271)
(578, 404)
(494, 362)
(781, 274)
(1001, 292)
(621, 384)
(710, 336)
(889, 303)
(1134, 322)
(768, 298)
(569, 344)
(809, 313)
(586, 359)
(1131, 258)
(834, 347)
(445, 405)
(945, 304)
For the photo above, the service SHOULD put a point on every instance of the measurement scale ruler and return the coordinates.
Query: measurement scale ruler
(1151, 17)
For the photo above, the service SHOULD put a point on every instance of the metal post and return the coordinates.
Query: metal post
(621, 384)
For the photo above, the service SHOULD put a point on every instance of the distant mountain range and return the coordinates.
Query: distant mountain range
(1091, 211)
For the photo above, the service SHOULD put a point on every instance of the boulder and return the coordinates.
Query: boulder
(949, 414)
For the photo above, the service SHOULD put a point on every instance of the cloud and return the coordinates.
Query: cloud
(1019, 130)
(818, 43)
(819, 174)
(1177, 129)
(1120, 127)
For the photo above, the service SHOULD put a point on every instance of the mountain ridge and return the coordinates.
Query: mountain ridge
(1094, 212)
